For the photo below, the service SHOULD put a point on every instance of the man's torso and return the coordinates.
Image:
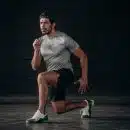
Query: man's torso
(54, 52)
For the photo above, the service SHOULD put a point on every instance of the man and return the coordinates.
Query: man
(55, 48)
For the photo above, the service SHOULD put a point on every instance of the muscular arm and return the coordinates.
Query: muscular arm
(83, 61)
(36, 60)
(74, 47)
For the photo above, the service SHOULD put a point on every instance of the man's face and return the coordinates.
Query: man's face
(45, 26)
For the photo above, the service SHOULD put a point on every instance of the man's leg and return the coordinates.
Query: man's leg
(61, 107)
(59, 104)
(44, 80)
(43, 93)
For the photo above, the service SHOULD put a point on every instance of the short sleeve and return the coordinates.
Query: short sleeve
(71, 44)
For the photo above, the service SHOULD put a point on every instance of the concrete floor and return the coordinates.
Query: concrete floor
(104, 117)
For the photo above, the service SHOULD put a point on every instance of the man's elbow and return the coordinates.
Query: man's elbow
(84, 56)
(34, 66)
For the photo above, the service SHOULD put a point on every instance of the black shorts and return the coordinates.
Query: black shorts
(65, 80)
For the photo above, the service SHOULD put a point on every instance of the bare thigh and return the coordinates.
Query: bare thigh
(51, 78)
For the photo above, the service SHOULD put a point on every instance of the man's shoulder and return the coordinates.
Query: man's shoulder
(62, 34)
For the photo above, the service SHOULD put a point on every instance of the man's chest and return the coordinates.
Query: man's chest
(52, 46)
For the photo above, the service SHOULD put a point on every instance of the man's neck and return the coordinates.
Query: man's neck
(53, 33)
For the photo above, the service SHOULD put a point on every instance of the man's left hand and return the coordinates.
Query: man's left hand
(83, 85)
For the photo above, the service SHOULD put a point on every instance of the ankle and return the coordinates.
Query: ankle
(42, 111)
(83, 103)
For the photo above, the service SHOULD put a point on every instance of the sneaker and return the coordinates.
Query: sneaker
(86, 111)
(38, 118)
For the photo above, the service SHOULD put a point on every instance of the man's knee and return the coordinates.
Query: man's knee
(41, 77)
(58, 106)
(50, 78)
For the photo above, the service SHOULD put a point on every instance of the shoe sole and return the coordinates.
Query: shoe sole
(42, 121)
(45, 120)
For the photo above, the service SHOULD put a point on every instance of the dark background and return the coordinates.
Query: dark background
(99, 26)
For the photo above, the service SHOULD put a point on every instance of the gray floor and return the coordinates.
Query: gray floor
(104, 117)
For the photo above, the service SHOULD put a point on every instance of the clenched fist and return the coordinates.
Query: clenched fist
(36, 44)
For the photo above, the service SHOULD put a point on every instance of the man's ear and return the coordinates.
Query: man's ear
(54, 25)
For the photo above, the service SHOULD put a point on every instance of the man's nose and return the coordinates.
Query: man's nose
(43, 25)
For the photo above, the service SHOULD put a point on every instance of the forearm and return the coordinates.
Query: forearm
(36, 60)
(84, 66)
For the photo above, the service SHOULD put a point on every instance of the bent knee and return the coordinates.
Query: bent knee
(50, 78)
(58, 107)
(41, 77)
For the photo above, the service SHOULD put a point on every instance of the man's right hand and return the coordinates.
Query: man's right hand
(36, 60)
(36, 44)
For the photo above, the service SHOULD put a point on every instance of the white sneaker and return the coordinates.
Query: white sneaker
(86, 111)
(38, 117)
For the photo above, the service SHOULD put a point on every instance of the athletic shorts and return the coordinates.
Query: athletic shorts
(65, 80)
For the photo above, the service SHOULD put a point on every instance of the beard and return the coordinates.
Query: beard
(46, 31)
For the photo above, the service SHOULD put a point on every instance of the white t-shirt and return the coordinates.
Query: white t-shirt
(56, 50)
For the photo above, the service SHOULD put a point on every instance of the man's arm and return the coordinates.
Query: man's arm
(36, 60)
(83, 62)
(74, 47)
